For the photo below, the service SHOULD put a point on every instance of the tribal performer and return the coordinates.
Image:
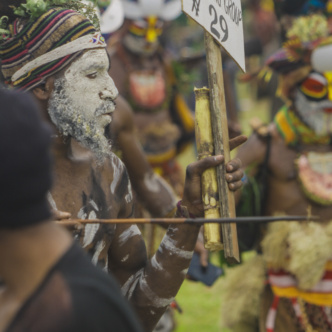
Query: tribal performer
(143, 73)
(59, 55)
(152, 191)
(47, 282)
(288, 287)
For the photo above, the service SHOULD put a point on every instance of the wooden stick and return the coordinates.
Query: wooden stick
(239, 220)
(205, 148)
(221, 145)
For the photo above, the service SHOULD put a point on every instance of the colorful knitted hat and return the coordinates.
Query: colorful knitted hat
(40, 47)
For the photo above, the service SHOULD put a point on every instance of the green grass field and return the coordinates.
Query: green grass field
(201, 307)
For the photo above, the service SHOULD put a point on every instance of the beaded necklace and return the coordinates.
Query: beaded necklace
(294, 131)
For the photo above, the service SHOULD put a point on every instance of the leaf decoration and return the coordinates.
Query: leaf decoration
(33, 9)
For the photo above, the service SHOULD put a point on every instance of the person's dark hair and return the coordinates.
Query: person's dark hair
(25, 167)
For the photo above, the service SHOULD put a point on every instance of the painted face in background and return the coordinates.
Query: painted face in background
(313, 101)
(142, 35)
(83, 100)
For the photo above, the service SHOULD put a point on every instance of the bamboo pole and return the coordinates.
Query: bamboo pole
(205, 148)
(221, 144)
(151, 234)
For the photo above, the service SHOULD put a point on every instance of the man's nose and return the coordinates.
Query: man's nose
(110, 92)
(151, 32)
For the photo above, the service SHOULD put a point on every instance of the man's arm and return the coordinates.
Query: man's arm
(154, 193)
(252, 153)
(151, 285)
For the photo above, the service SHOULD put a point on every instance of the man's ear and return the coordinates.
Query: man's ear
(43, 92)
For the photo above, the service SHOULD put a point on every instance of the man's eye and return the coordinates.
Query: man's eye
(92, 76)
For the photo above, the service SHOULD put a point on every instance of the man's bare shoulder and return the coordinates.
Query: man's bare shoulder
(275, 134)
(253, 150)
(120, 186)
(115, 166)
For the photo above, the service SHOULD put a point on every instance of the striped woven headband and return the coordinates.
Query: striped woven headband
(38, 48)
(86, 42)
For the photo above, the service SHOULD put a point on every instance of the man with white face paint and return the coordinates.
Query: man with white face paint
(61, 58)
(312, 99)
(83, 100)
(295, 153)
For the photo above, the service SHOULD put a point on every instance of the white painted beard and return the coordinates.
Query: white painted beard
(312, 113)
(71, 121)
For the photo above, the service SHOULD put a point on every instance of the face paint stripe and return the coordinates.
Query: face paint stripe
(170, 245)
(184, 272)
(133, 287)
(90, 231)
(318, 77)
(138, 31)
(314, 93)
(129, 196)
(98, 249)
(94, 205)
(117, 170)
(92, 215)
(328, 76)
(128, 233)
(157, 301)
(315, 86)
(125, 258)
(127, 285)
(51, 201)
(81, 214)
(155, 264)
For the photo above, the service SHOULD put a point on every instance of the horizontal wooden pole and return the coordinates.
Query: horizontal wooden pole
(239, 220)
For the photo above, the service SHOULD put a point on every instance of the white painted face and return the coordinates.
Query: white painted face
(314, 114)
(313, 103)
(90, 87)
(143, 35)
(83, 100)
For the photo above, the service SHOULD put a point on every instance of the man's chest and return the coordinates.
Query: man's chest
(305, 175)
(90, 191)
(86, 196)
(283, 162)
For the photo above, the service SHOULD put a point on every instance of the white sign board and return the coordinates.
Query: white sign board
(223, 20)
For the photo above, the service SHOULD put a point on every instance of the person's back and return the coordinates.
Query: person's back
(75, 296)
